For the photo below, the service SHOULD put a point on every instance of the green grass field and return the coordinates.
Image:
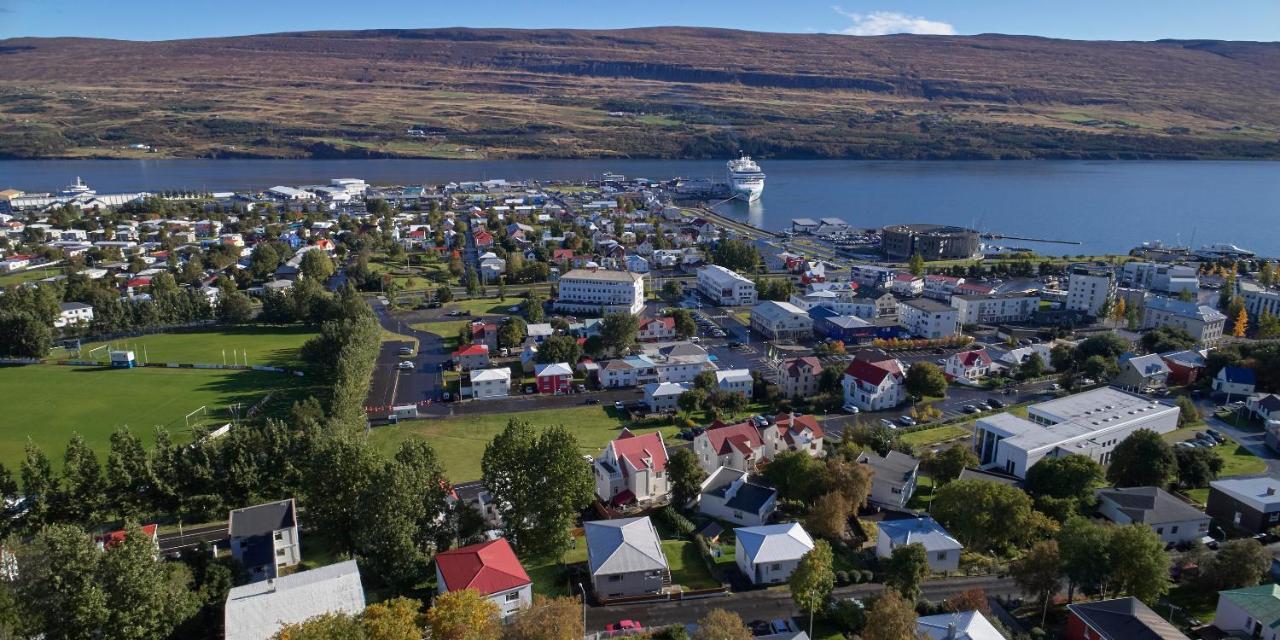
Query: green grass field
(929, 437)
(272, 346)
(687, 567)
(19, 277)
(1236, 460)
(460, 440)
(47, 403)
(447, 329)
(550, 575)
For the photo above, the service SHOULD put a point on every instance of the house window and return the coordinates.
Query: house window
(513, 596)
(775, 567)
(615, 578)
(1159, 530)
(1275, 517)
(279, 535)
(942, 555)
(1173, 530)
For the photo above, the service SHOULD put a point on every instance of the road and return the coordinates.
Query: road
(770, 604)
(192, 537)
(394, 386)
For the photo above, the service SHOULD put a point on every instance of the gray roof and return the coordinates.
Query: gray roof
(895, 468)
(774, 542)
(1150, 505)
(1259, 492)
(257, 611)
(962, 625)
(623, 546)
(923, 531)
(1149, 365)
(262, 519)
(749, 498)
(990, 476)
(1125, 619)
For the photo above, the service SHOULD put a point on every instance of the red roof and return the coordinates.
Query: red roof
(796, 425)
(970, 358)
(873, 372)
(725, 438)
(483, 237)
(905, 277)
(669, 323)
(793, 366)
(489, 567)
(114, 538)
(139, 282)
(472, 350)
(562, 254)
(637, 449)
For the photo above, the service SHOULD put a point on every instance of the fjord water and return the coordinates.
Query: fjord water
(1108, 207)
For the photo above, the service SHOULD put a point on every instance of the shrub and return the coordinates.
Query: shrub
(842, 577)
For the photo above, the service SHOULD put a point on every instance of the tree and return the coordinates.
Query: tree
(851, 479)
(9, 493)
(560, 349)
(1197, 466)
(947, 464)
(908, 566)
(234, 307)
(463, 615)
(84, 490)
(512, 333)
(916, 264)
(719, 624)
(1139, 566)
(145, 596)
(894, 618)
(1188, 414)
(1084, 550)
(403, 515)
(1072, 476)
(691, 400)
(548, 619)
(1143, 459)
(686, 327)
(23, 335)
(926, 379)
(736, 255)
(813, 579)
(39, 486)
(618, 332)
(1117, 311)
(795, 474)
(316, 265)
(1032, 367)
(129, 485)
(685, 476)
(1238, 564)
(974, 599)
(829, 516)
(671, 291)
(1061, 357)
(1241, 325)
(444, 294)
(1167, 338)
(983, 515)
(1039, 571)
(1266, 273)
(338, 473)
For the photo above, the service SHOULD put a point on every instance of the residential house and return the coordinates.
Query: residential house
(554, 378)
(490, 568)
(475, 494)
(781, 321)
(1118, 619)
(874, 381)
(1264, 406)
(539, 331)
(845, 328)
(1142, 373)
(1251, 612)
(961, 625)
(1203, 322)
(632, 469)
(798, 377)
(679, 362)
(1172, 519)
(625, 558)
(491, 383)
(257, 611)
(940, 287)
(664, 397)
(1250, 504)
(472, 356)
(906, 285)
(968, 367)
(768, 554)
(943, 550)
(928, 318)
(745, 445)
(1236, 383)
(1185, 367)
(73, 314)
(485, 333)
(656, 329)
(601, 292)
(893, 479)
(736, 381)
(264, 538)
(995, 309)
(113, 538)
(730, 495)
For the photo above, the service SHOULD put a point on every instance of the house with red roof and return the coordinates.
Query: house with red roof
(941, 287)
(655, 329)
(974, 289)
(554, 378)
(798, 377)
(471, 356)
(484, 239)
(632, 469)
(906, 284)
(747, 446)
(968, 367)
(485, 333)
(874, 380)
(492, 569)
(113, 538)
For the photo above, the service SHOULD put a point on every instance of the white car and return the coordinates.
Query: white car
(407, 364)
(848, 408)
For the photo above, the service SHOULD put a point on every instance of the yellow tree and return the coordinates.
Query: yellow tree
(463, 615)
(1118, 310)
(1242, 324)
(547, 619)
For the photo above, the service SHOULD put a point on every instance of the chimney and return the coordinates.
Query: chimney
(951, 631)
(1271, 491)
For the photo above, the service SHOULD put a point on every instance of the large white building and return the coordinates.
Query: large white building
(1089, 424)
(928, 318)
(996, 308)
(257, 611)
(1258, 299)
(1203, 322)
(781, 321)
(599, 291)
(1089, 289)
(725, 287)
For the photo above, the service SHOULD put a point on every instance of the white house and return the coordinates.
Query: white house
(961, 625)
(600, 292)
(74, 314)
(730, 495)
(995, 308)
(264, 538)
(943, 550)
(968, 367)
(492, 569)
(1089, 289)
(664, 397)
(490, 383)
(781, 321)
(257, 611)
(737, 381)
(873, 382)
(769, 554)
(1234, 382)
(1172, 519)
(928, 318)
(725, 287)
(632, 469)
(1251, 612)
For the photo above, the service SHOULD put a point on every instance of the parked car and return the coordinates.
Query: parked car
(995, 403)
(406, 351)
(849, 408)
(591, 401)
(888, 423)
(906, 421)
(1209, 542)
(1216, 435)
(968, 408)
(618, 405)
(407, 364)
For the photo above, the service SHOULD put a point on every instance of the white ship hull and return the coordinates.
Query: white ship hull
(749, 188)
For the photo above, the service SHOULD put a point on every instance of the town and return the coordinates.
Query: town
(586, 409)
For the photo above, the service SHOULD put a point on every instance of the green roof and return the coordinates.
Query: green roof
(1261, 603)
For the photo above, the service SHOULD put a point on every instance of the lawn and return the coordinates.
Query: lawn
(930, 437)
(274, 346)
(460, 440)
(687, 567)
(47, 403)
(487, 306)
(1237, 461)
(550, 575)
(447, 329)
(923, 494)
(19, 277)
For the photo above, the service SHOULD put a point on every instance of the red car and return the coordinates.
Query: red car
(624, 625)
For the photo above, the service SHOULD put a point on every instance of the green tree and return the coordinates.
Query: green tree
(720, 624)
(685, 325)
(813, 579)
(1188, 414)
(234, 307)
(560, 349)
(316, 265)
(1139, 566)
(1039, 571)
(512, 333)
(1143, 459)
(983, 515)
(1238, 564)
(402, 516)
(947, 464)
(618, 332)
(795, 474)
(40, 487)
(1197, 466)
(1098, 367)
(736, 255)
(671, 291)
(57, 584)
(1072, 476)
(1061, 358)
(339, 472)
(926, 379)
(1167, 338)
(894, 618)
(685, 475)
(908, 566)
(145, 596)
(444, 294)
(463, 615)
(130, 489)
(691, 400)
(916, 264)
(23, 335)
(85, 491)
(1032, 367)
(1084, 549)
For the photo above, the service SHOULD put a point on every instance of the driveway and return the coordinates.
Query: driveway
(1254, 441)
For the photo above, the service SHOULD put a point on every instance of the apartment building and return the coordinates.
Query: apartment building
(725, 287)
(997, 308)
(928, 318)
(597, 291)
(1089, 289)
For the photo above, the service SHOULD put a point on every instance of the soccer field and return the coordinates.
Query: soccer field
(47, 403)
(270, 346)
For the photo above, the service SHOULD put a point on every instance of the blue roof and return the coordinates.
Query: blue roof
(1239, 375)
(923, 530)
(817, 313)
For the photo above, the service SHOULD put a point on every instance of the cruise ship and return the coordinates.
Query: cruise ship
(745, 178)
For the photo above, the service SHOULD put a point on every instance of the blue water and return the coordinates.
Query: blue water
(1107, 206)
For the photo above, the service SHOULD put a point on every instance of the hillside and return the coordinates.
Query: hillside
(659, 92)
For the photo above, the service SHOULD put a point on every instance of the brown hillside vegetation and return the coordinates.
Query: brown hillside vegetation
(658, 92)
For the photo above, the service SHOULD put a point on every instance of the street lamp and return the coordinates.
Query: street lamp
(584, 608)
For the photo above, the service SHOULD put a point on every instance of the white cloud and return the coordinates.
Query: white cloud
(879, 23)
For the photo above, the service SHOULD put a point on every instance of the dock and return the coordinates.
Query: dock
(996, 236)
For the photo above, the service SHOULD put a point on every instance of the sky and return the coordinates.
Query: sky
(1077, 19)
